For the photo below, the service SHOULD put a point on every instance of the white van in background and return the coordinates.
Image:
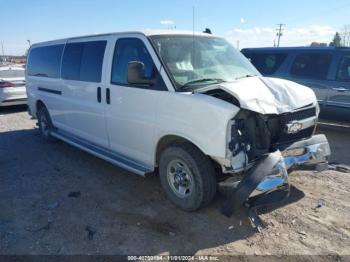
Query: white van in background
(188, 105)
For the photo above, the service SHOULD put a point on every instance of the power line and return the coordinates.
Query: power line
(323, 13)
(279, 30)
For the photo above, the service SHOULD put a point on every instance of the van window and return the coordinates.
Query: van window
(344, 69)
(312, 65)
(133, 49)
(267, 63)
(83, 61)
(45, 61)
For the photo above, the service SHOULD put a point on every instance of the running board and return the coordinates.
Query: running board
(116, 159)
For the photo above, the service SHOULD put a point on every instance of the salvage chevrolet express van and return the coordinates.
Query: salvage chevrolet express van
(188, 106)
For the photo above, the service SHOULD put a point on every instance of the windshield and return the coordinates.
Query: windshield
(200, 60)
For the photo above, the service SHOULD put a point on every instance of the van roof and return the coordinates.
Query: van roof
(297, 48)
(147, 32)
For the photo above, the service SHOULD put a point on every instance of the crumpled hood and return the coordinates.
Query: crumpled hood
(267, 95)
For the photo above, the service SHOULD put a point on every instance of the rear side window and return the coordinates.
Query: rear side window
(83, 61)
(45, 61)
(343, 73)
(312, 65)
(267, 63)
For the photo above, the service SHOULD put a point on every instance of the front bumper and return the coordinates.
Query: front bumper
(270, 175)
(311, 152)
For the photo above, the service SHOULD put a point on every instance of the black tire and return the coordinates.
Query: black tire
(45, 124)
(203, 190)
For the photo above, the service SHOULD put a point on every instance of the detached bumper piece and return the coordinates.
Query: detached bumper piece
(269, 174)
(267, 182)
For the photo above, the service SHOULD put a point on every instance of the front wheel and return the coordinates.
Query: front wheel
(187, 176)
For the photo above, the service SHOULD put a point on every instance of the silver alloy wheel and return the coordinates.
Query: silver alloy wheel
(180, 178)
(45, 129)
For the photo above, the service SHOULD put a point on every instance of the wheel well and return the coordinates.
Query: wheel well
(39, 105)
(167, 141)
(171, 140)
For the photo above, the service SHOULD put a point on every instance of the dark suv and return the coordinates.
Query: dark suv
(324, 69)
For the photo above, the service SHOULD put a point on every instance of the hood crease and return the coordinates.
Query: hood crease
(267, 95)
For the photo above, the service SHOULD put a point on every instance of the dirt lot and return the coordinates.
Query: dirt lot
(121, 213)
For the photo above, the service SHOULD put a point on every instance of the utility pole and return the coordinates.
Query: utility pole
(193, 18)
(279, 33)
(2, 48)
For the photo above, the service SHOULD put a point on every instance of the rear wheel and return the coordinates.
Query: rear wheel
(45, 124)
(187, 176)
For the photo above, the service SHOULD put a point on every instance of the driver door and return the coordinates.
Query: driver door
(131, 108)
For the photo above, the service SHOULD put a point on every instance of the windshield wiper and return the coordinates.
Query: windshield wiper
(202, 80)
(245, 76)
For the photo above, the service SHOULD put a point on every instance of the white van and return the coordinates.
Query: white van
(188, 106)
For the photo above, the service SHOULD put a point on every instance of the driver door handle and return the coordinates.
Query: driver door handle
(108, 96)
(99, 94)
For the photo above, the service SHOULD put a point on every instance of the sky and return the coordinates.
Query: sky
(244, 23)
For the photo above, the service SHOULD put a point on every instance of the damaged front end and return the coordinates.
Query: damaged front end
(262, 149)
(273, 132)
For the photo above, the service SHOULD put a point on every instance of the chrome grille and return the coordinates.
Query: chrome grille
(280, 136)
(299, 115)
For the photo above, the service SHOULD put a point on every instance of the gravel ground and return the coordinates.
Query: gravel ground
(56, 199)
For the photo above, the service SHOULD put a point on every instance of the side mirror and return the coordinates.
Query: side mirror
(136, 74)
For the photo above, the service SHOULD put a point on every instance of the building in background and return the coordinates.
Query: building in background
(5, 60)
